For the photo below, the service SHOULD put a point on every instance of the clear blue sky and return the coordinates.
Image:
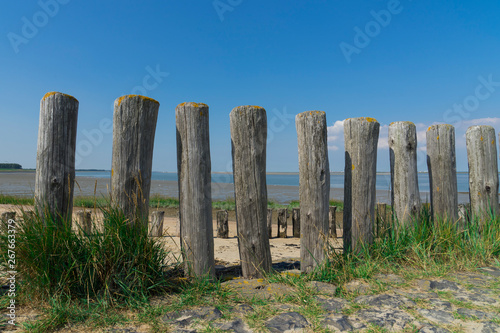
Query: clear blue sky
(413, 60)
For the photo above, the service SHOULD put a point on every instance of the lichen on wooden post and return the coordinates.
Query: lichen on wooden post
(314, 187)
(55, 161)
(361, 138)
(441, 163)
(195, 192)
(405, 195)
(248, 140)
(483, 172)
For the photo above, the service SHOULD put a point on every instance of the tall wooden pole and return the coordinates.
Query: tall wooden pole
(195, 193)
(134, 126)
(441, 162)
(361, 138)
(248, 138)
(483, 172)
(405, 196)
(55, 160)
(314, 187)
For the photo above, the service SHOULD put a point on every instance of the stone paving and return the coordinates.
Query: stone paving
(460, 302)
(463, 302)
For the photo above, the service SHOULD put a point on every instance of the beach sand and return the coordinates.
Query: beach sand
(225, 250)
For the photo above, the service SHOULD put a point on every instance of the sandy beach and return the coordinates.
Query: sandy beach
(225, 250)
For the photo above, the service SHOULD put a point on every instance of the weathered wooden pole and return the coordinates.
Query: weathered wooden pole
(483, 172)
(222, 224)
(314, 187)
(441, 162)
(157, 223)
(55, 160)
(270, 222)
(195, 193)
(332, 221)
(361, 138)
(405, 196)
(296, 222)
(134, 126)
(282, 222)
(248, 139)
(382, 223)
(85, 221)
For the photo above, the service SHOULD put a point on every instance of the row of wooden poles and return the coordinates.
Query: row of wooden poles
(134, 126)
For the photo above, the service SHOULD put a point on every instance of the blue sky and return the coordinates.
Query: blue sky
(422, 61)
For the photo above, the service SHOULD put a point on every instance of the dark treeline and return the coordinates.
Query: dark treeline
(10, 166)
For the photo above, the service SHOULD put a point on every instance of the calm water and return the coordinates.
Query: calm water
(292, 179)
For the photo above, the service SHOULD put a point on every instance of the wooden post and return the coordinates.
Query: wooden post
(85, 221)
(270, 222)
(6, 216)
(441, 162)
(332, 218)
(361, 138)
(483, 172)
(195, 194)
(55, 160)
(157, 223)
(405, 196)
(222, 224)
(296, 222)
(134, 126)
(382, 224)
(248, 139)
(314, 187)
(282, 222)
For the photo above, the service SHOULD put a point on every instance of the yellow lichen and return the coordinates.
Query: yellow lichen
(481, 139)
(438, 137)
(371, 120)
(120, 99)
(353, 166)
(55, 92)
(492, 142)
(112, 172)
(437, 188)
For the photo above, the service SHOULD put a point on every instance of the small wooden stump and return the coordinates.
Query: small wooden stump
(85, 222)
(405, 196)
(157, 223)
(483, 172)
(332, 218)
(6, 216)
(361, 138)
(270, 222)
(134, 126)
(282, 222)
(314, 187)
(296, 222)
(382, 222)
(195, 192)
(441, 162)
(248, 140)
(222, 224)
(55, 160)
